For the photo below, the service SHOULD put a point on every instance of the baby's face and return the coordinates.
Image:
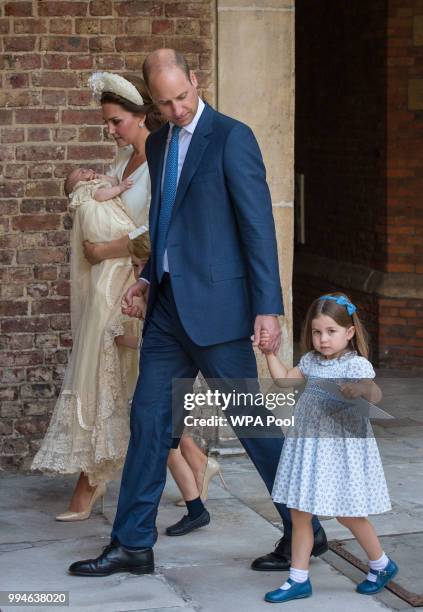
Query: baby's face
(80, 174)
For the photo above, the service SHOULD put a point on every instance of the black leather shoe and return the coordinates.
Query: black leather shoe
(116, 558)
(280, 559)
(185, 525)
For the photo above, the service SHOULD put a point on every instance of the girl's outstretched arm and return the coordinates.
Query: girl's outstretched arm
(366, 388)
(278, 371)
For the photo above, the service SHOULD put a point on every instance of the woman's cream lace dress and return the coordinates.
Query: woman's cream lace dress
(89, 428)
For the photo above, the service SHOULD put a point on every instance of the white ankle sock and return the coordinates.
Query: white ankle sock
(377, 565)
(296, 575)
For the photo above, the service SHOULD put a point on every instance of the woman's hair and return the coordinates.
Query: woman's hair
(339, 313)
(153, 119)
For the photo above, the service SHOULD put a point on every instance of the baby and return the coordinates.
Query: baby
(103, 192)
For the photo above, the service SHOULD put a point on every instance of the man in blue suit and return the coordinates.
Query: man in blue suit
(212, 280)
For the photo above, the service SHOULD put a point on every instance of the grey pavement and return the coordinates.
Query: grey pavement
(209, 569)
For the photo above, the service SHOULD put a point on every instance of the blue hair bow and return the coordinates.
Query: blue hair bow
(342, 301)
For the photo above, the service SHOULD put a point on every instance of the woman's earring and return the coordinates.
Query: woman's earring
(141, 124)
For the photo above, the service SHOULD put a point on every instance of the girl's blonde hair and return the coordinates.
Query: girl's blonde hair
(140, 246)
(339, 313)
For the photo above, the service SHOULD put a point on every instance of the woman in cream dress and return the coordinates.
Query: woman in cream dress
(89, 429)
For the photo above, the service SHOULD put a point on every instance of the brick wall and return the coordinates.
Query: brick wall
(359, 143)
(49, 122)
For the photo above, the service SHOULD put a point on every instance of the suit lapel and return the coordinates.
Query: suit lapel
(197, 146)
(158, 152)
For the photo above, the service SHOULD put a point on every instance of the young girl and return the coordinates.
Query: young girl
(323, 469)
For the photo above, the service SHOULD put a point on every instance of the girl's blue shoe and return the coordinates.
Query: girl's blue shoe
(298, 590)
(382, 578)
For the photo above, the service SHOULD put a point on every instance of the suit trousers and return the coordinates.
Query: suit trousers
(168, 353)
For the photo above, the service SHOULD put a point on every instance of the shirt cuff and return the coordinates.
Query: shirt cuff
(144, 279)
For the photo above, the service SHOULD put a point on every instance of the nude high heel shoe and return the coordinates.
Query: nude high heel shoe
(68, 516)
(212, 469)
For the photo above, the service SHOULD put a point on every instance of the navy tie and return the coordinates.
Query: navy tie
(168, 198)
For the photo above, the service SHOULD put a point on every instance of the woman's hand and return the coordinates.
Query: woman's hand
(92, 252)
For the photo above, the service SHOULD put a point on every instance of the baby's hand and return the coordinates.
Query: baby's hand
(126, 184)
(351, 390)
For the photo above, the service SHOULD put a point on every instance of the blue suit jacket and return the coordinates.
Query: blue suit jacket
(221, 243)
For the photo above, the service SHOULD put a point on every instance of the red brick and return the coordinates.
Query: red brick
(4, 26)
(101, 44)
(33, 115)
(24, 324)
(20, 275)
(109, 62)
(189, 45)
(54, 97)
(6, 257)
(90, 134)
(19, 43)
(130, 8)
(111, 26)
(9, 376)
(11, 190)
(35, 223)
(39, 189)
(13, 308)
(19, 342)
(80, 62)
(182, 9)
(55, 62)
(162, 26)
(62, 287)
(138, 44)
(41, 171)
(16, 81)
(64, 44)
(60, 8)
(87, 26)
(27, 62)
(392, 267)
(58, 238)
(8, 207)
(60, 26)
(39, 374)
(66, 340)
(91, 152)
(80, 98)
(18, 9)
(187, 27)
(45, 272)
(18, 98)
(60, 322)
(64, 134)
(38, 134)
(50, 306)
(55, 79)
(12, 135)
(30, 26)
(41, 256)
(40, 152)
(6, 117)
(101, 7)
(81, 117)
(46, 341)
(6, 153)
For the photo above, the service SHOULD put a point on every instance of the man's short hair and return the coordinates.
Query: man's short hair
(177, 60)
